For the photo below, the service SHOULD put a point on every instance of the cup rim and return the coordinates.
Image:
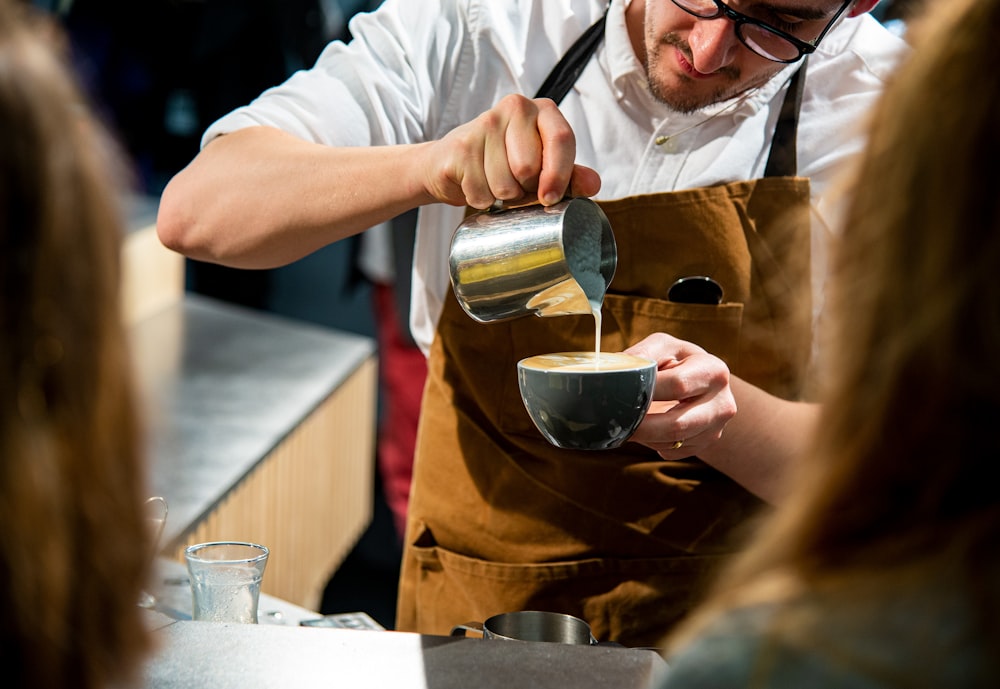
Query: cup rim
(585, 371)
(191, 552)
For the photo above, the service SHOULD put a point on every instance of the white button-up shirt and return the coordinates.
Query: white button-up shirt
(416, 69)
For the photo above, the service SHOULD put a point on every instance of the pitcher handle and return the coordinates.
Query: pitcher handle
(461, 629)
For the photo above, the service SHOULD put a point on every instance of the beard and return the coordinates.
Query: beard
(687, 97)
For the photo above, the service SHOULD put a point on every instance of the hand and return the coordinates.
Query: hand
(693, 400)
(518, 150)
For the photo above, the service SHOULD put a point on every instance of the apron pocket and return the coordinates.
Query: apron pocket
(716, 329)
(453, 589)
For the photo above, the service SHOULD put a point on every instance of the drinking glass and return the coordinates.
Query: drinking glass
(156, 518)
(225, 580)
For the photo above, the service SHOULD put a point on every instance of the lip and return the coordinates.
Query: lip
(688, 68)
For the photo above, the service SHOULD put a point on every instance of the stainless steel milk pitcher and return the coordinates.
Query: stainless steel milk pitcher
(549, 261)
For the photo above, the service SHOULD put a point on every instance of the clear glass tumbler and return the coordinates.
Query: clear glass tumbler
(225, 580)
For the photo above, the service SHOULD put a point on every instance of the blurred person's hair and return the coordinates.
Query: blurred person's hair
(74, 551)
(898, 489)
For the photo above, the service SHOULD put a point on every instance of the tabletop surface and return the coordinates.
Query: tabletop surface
(279, 652)
(221, 655)
(222, 387)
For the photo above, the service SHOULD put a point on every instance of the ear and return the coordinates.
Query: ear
(861, 6)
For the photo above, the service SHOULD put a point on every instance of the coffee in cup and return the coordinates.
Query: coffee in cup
(586, 400)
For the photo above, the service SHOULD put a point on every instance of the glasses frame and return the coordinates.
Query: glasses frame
(740, 19)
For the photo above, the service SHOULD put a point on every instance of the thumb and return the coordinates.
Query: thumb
(584, 182)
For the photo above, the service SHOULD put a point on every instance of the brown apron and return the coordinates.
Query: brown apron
(500, 520)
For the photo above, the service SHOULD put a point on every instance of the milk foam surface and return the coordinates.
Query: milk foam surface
(586, 362)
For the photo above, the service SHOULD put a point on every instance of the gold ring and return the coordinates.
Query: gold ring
(677, 445)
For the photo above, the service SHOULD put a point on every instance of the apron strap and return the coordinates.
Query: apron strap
(568, 69)
(783, 159)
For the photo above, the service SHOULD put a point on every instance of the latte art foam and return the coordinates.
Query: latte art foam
(585, 362)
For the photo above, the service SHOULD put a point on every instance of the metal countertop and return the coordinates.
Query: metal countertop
(222, 387)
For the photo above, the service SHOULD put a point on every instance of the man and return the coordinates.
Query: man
(424, 109)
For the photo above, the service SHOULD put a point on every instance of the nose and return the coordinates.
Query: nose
(713, 44)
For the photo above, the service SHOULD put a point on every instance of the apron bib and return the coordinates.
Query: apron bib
(500, 520)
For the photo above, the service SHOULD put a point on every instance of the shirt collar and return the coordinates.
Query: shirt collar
(623, 65)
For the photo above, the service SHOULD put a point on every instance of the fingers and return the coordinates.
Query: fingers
(519, 150)
(664, 349)
(585, 181)
(686, 428)
(521, 159)
(558, 148)
(695, 401)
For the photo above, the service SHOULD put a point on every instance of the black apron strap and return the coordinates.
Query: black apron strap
(568, 69)
(783, 159)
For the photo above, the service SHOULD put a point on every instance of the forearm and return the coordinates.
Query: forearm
(260, 198)
(763, 440)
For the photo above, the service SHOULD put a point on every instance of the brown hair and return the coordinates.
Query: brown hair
(74, 552)
(898, 491)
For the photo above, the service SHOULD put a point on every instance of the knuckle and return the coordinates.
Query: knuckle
(562, 137)
(476, 196)
(464, 147)
(525, 171)
(516, 104)
(720, 374)
(658, 340)
(492, 119)
(507, 192)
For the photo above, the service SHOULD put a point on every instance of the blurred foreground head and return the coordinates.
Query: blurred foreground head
(915, 376)
(896, 508)
(73, 546)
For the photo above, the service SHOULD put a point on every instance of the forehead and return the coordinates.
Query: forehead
(804, 9)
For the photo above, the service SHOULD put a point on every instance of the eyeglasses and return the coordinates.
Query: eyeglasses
(759, 36)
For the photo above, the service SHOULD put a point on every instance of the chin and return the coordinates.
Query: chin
(685, 96)
(680, 91)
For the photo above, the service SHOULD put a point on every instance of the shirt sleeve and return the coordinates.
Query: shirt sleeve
(370, 91)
